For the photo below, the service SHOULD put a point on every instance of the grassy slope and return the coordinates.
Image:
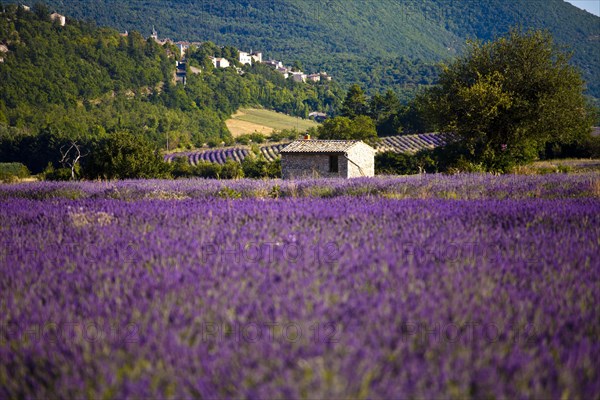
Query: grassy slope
(249, 120)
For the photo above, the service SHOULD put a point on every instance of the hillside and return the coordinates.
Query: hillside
(380, 43)
(79, 81)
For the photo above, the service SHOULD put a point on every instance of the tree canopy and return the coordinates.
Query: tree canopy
(355, 103)
(385, 44)
(123, 155)
(344, 128)
(507, 98)
(81, 82)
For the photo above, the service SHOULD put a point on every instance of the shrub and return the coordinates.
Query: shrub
(56, 174)
(259, 167)
(228, 193)
(231, 170)
(181, 168)
(275, 192)
(278, 136)
(243, 139)
(206, 169)
(585, 148)
(213, 143)
(257, 137)
(391, 163)
(11, 172)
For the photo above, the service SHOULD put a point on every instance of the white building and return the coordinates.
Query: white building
(245, 58)
(3, 50)
(219, 62)
(248, 58)
(284, 71)
(62, 20)
(274, 63)
(256, 57)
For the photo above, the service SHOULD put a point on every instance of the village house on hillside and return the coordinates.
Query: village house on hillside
(3, 50)
(327, 158)
(220, 62)
(299, 76)
(248, 58)
(62, 20)
(244, 58)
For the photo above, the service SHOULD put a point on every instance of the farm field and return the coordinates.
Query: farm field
(398, 144)
(249, 120)
(465, 286)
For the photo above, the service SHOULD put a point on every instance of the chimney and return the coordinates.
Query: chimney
(306, 136)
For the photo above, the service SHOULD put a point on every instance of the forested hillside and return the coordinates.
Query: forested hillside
(78, 81)
(374, 43)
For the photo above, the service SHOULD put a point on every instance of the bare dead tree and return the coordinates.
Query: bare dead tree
(71, 157)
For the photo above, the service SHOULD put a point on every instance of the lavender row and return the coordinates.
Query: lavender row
(464, 186)
(399, 144)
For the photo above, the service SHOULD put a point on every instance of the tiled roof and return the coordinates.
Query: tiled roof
(319, 146)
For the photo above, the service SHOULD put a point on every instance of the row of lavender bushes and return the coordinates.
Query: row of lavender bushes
(460, 186)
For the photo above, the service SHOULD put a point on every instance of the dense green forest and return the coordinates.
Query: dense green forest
(81, 81)
(379, 44)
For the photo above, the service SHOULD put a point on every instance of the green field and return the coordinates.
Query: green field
(249, 120)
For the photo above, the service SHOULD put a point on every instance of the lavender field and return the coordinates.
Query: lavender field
(467, 286)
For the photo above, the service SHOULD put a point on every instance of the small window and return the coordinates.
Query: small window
(333, 163)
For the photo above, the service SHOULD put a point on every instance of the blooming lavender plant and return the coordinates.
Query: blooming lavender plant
(166, 289)
(463, 186)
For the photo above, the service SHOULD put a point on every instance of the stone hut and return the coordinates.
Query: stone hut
(327, 158)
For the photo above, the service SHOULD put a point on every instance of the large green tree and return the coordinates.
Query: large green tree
(507, 98)
(355, 103)
(344, 128)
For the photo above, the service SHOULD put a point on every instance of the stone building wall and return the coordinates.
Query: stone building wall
(311, 165)
(364, 156)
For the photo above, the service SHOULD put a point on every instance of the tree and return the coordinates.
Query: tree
(355, 103)
(381, 106)
(71, 156)
(384, 111)
(123, 155)
(41, 11)
(344, 128)
(506, 99)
